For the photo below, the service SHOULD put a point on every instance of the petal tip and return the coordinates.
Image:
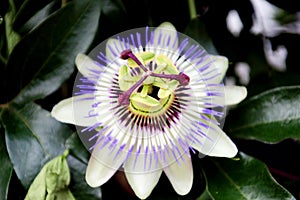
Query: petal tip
(143, 184)
(234, 94)
(97, 173)
(62, 111)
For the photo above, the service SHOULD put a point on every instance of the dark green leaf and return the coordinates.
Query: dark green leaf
(242, 178)
(80, 189)
(45, 58)
(113, 9)
(32, 139)
(5, 168)
(12, 38)
(205, 196)
(271, 116)
(24, 24)
(28, 9)
(197, 30)
(77, 149)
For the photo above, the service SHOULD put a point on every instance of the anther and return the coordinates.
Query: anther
(128, 54)
(182, 78)
(124, 98)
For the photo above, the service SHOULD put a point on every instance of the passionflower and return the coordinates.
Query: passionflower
(143, 101)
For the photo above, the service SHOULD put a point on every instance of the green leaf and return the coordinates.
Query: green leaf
(77, 149)
(52, 181)
(12, 37)
(271, 116)
(80, 189)
(78, 160)
(32, 139)
(197, 30)
(5, 168)
(205, 196)
(28, 9)
(44, 59)
(241, 178)
(32, 13)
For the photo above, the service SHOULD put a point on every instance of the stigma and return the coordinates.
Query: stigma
(164, 76)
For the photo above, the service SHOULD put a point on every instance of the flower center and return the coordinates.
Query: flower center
(150, 91)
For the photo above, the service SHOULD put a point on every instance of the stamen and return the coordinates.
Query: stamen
(128, 54)
(124, 98)
(182, 78)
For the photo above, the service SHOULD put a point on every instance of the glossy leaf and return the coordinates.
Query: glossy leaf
(242, 178)
(77, 149)
(44, 59)
(25, 24)
(28, 9)
(5, 168)
(78, 160)
(80, 189)
(271, 116)
(32, 139)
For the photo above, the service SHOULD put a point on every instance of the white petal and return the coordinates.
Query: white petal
(65, 111)
(98, 173)
(143, 183)
(85, 64)
(141, 173)
(218, 144)
(211, 67)
(165, 38)
(234, 94)
(221, 63)
(106, 157)
(181, 174)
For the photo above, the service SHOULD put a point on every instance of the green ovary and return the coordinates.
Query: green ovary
(148, 105)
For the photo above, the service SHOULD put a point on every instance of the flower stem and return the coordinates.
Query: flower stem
(192, 9)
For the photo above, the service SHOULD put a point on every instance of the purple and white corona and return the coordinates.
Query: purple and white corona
(143, 101)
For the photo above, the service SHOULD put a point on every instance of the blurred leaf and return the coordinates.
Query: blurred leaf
(271, 116)
(28, 9)
(284, 17)
(242, 178)
(77, 149)
(196, 29)
(52, 181)
(80, 189)
(45, 58)
(32, 139)
(5, 168)
(24, 24)
(113, 9)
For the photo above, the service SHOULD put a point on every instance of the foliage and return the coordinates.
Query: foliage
(39, 41)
